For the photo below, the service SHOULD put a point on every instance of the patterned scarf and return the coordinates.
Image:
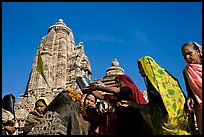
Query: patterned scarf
(171, 94)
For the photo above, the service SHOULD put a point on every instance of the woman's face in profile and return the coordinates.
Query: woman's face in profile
(141, 70)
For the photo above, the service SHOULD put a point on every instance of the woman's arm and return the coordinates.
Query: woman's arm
(188, 89)
(141, 107)
(191, 97)
(107, 89)
(98, 95)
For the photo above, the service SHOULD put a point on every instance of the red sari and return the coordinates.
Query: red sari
(125, 121)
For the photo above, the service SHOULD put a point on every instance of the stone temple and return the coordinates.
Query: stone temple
(63, 62)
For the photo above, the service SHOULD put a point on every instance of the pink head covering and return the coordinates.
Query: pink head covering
(199, 47)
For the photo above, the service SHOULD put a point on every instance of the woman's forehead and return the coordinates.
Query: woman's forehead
(90, 96)
(40, 103)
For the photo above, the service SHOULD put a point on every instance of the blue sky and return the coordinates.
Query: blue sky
(126, 31)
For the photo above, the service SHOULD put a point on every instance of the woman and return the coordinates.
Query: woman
(123, 121)
(165, 111)
(35, 115)
(90, 100)
(8, 115)
(192, 54)
(91, 114)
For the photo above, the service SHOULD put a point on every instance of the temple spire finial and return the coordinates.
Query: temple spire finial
(60, 20)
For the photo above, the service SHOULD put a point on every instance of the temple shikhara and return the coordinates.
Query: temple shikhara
(63, 62)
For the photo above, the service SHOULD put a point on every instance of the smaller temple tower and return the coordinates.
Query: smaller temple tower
(111, 73)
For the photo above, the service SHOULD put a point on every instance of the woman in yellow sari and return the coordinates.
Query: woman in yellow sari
(165, 111)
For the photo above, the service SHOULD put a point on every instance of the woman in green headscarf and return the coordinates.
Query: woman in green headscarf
(35, 115)
(165, 111)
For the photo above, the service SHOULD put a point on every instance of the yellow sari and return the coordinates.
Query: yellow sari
(176, 121)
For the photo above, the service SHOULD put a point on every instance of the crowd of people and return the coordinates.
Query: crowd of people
(168, 111)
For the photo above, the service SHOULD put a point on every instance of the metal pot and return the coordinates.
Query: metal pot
(100, 105)
(83, 82)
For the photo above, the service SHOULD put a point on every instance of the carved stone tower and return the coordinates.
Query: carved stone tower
(63, 62)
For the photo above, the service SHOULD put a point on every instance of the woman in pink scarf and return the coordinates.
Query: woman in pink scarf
(192, 53)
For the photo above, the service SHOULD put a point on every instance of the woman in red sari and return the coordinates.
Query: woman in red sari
(123, 121)
(192, 53)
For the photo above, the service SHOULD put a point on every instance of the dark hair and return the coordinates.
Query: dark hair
(90, 94)
(40, 100)
(8, 102)
(190, 44)
(194, 46)
(139, 63)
